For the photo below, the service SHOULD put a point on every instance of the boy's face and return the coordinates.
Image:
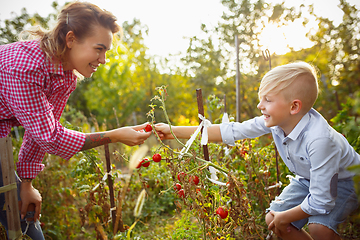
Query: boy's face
(276, 111)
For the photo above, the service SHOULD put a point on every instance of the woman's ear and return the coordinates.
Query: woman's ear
(296, 106)
(70, 39)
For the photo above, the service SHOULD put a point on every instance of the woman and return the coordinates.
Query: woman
(36, 79)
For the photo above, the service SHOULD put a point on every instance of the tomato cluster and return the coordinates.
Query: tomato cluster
(145, 162)
(181, 176)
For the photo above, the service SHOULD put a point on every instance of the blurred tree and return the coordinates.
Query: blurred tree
(336, 54)
(12, 28)
(212, 60)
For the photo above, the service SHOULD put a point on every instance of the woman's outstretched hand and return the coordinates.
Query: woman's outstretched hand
(132, 136)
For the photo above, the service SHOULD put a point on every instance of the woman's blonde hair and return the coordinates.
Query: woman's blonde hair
(79, 17)
(297, 80)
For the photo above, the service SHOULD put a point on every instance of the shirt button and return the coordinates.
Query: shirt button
(301, 158)
(288, 158)
(284, 143)
(61, 80)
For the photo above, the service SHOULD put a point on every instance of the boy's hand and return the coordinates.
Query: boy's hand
(279, 225)
(163, 130)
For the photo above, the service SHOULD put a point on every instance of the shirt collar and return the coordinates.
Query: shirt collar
(294, 134)
(54, 68)
(59, 70)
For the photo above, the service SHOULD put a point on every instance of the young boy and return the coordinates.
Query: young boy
(322, 193)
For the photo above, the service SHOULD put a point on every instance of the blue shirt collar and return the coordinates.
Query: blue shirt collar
(294, 134)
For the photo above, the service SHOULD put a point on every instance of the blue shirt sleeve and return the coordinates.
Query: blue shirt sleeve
(325, 155)
(233, 131)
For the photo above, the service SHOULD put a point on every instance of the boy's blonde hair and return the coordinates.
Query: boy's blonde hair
(296, 80)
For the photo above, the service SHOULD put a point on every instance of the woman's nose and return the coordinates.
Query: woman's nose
(102, 58)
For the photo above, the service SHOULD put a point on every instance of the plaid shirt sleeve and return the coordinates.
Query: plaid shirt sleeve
(38, 107)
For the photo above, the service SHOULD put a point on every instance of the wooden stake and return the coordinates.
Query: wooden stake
(11, 196)
(201, 111)
(110, 184)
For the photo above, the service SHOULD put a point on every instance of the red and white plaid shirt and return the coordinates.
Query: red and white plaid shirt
(33, 93)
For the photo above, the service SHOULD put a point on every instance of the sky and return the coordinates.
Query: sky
(171, 22)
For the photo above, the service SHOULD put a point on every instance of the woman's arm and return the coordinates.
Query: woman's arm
(130, 136)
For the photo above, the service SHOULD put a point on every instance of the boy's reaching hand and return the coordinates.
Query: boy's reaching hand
(185, 132)
(163, 130)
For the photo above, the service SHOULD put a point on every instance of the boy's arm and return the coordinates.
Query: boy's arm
(283, 219)
(185, 132)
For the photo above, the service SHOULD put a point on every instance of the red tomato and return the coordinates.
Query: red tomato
(156, 157)
(177, 187)
(140, 163)
(181, 175)
(146, 162)
(194, 179)
(181, 193)
(148, 128)
(222, 213)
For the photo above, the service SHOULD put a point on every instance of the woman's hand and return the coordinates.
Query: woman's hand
(131, 136)
(30, 195)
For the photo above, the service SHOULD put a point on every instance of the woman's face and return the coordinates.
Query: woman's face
(87, 54)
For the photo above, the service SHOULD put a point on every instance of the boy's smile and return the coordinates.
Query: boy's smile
(276, 112)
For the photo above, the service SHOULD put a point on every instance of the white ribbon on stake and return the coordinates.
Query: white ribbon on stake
(213, 178)
(204, 139)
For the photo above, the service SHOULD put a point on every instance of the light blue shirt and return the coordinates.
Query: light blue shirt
(313, 150)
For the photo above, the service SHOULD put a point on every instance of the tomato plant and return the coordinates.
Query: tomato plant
(177, 187)
(181, 176)
(232, 186)
(181, 193)
(145, 162)
(156, 157)
(194, 179)
(140, 163)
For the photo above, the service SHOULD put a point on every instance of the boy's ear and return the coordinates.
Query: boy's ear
(296, 106)
(70, 39)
